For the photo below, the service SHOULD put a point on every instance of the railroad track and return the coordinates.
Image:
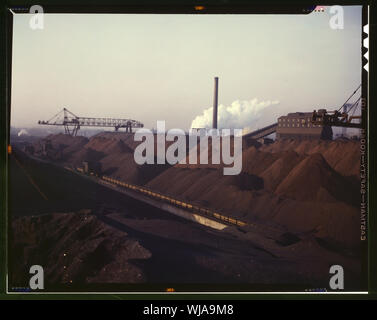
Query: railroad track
(176, 202)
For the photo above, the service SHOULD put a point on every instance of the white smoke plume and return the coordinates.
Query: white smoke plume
(239, 114)
(23, 132)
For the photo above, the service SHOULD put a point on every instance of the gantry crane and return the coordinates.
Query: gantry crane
(337, 118)
(72, 123)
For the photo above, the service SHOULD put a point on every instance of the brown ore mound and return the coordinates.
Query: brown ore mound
(313, 179)
(302, 185)
(285, 183)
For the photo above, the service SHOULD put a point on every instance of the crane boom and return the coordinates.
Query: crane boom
(337, 118)
(72, 123)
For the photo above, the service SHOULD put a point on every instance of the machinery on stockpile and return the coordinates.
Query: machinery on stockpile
(92, 168)
(318, 124)
(343, 117)
(73, 123)
(313, 125)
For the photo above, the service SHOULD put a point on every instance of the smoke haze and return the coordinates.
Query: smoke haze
(240, 114)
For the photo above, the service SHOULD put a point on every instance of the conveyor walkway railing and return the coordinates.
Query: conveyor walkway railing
(176, 202)
(263, 132)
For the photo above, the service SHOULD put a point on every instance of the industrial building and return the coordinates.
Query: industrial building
(299, 125)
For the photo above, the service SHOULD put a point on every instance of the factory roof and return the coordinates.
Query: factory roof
(298, 114)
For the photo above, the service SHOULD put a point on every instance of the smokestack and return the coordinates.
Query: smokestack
(215, 95)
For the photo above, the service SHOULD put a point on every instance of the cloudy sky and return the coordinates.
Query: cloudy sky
(161, 67)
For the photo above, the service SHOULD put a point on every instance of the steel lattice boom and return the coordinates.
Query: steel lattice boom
(72, 123)
(339, 118)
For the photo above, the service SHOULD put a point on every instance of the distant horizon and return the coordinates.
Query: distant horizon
(90, 131)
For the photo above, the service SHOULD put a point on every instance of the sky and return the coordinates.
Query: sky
(161, 67)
